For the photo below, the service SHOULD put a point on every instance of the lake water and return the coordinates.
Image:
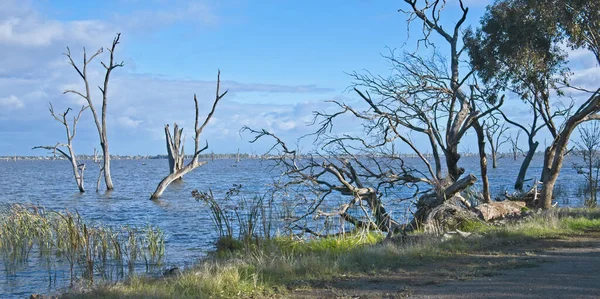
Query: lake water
(186, 223)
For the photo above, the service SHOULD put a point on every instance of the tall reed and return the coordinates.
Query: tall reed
(92, 250)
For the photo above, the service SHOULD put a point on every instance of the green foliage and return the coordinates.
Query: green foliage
(473, 226)
(228, 244)
(335, 245)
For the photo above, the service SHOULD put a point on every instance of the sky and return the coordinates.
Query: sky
(279, 60)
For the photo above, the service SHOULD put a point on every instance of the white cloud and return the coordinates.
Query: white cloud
(11, 102)
(29, 32)
(33, 72)
(127, 122)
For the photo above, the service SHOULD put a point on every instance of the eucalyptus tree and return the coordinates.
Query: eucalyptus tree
(521, 45)
(87, 96)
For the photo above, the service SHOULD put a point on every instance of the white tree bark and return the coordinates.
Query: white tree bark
(100, 121)
(177, 170)
(78, 169)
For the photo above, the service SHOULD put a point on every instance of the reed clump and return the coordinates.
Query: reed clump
(63, 238)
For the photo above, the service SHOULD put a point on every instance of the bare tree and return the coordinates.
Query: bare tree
(487, 197)
(531, 131)
(175, 147)
(100, 121)
(423, 95)
(364, 178)
(78, 169)
(100, 170)
(589, 147)
(514, 145)
(494, 133)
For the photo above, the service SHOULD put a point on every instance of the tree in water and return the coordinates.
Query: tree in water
(100, 121)
(588, 146)
(78, 169)
(175, 149)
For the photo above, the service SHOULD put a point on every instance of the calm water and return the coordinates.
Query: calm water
(186, 223)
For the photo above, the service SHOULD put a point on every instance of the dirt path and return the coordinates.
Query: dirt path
(556, 268)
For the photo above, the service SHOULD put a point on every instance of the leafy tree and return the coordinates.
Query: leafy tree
(519, 48)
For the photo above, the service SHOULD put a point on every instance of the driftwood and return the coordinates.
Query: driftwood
(530, 198)
(500, 209)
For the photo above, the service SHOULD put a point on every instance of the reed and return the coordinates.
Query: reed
(89, 251)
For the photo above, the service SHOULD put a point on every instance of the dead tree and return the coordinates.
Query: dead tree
(424, 95)
(487, 198)
(363, 179)
(78, 169)
(100, 170)
(175, 148)
(531, 131)
(176, 154)
(514, 145)
(100, 121)
(494, 133)
(589, 147)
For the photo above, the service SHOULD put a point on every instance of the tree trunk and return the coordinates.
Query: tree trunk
(173, 177)
(106, 167)
(175, 148)
(77, 171)
(483, 161)
(428, 202)
(553, 160)
(525, 165)
(494, 165)
(452, 157)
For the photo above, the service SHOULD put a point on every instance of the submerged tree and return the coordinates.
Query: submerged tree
(100, 121)
(175, 147)
(520, 42)
(494, 133)
(78, 169)
(589, 147)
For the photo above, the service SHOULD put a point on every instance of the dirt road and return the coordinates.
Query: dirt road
(550, 268)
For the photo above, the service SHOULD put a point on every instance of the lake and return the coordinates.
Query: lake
(186, 222)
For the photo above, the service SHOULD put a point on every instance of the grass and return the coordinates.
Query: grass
(275, 266)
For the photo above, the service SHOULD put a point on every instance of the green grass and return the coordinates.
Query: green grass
(273, 267)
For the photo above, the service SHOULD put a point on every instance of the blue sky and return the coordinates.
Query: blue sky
(280, 60)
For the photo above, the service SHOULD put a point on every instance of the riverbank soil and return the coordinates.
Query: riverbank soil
(566, 267)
